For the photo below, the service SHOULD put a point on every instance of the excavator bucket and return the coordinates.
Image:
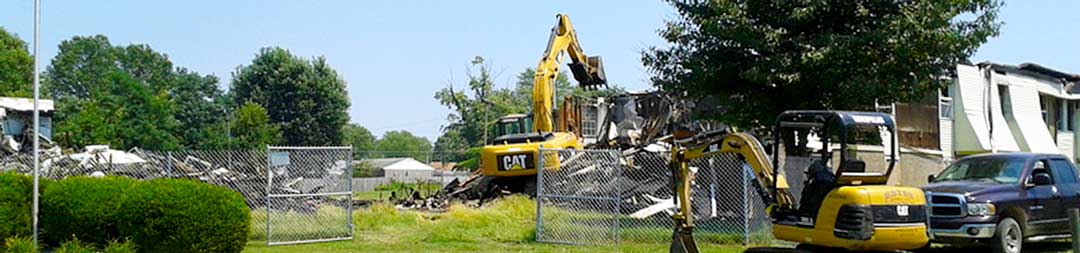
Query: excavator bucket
(589, 76)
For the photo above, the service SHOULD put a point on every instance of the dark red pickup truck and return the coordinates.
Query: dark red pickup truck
(1003, 199)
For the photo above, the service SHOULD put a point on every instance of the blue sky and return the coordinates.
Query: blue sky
(396, 54)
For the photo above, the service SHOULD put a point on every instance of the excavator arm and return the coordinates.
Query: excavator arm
(749, 149)
(588, 71)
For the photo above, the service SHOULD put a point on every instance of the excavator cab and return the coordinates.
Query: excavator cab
(513, 124)
(823, 150)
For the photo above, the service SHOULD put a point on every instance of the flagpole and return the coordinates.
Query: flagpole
(37, 124)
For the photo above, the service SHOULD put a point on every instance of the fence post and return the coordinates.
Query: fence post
(746, 207)
(539, 192)
(1074, 222)
(352, 192)
(269, 183)
(618, 199)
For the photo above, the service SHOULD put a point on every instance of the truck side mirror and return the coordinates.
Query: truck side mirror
(930, 179)
(1039, 178)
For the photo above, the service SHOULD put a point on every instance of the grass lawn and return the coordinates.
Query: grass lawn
(503, 226)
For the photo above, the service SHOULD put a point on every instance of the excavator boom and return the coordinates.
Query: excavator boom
(588, 71)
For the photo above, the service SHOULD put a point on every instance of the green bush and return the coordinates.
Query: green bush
(164, 215)
(84, 208)
(15, 202)
(175, 215)
(20, 244)
(74, 246)
(119, 247)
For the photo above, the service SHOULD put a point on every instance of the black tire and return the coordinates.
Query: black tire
(1008, 238)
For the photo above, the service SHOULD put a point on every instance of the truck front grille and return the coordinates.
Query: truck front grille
(946, 205)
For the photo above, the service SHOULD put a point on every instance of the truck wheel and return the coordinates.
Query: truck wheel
(1008, 237)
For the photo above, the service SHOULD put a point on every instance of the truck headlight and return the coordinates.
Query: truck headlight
(980, 209)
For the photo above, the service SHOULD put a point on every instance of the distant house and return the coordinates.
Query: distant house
(400, 169)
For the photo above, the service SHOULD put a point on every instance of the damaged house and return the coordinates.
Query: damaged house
(987, 108)
(16, 123)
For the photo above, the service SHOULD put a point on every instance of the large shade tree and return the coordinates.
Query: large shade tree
(305, 98)
(756, 59)
(16, 66)
(131, 96)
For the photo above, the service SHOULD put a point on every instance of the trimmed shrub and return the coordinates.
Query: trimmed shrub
(15, 203)
(177, 215)
(20, 244)
(85, 208)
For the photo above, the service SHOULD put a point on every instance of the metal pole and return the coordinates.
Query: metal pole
(269, 183)
(37, 120)
(351, 192)
(746, 205)
(1074, 222)
(539, 192)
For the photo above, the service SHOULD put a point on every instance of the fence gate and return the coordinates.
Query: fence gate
(309, 195)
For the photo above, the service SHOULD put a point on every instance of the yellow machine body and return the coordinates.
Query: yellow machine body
(912, 236)
(520, 159)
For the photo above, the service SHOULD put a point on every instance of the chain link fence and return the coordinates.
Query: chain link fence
(309, 192)
(605, 197)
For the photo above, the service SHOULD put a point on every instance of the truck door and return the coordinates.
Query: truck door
(1044, 212)
(1069, 189)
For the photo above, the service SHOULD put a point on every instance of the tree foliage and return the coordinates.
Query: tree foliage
(252, 129)
(306, 98)
(362, 141)
(756, 59)
(403, 144)
(130, 96)
(16, 66)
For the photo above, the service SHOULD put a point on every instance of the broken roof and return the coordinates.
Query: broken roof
(1034, 68)
(25, 104)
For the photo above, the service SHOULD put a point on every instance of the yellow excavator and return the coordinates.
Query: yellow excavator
(510, 159)
(843, 201)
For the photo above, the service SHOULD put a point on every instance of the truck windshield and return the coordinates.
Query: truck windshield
(1002, 170)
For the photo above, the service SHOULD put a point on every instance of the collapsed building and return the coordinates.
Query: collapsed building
(17, 121)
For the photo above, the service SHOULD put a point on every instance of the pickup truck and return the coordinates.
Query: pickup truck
(1003, 199)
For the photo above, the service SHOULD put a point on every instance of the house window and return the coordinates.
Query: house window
(1070, 115)
(1006, 102)
(589, 121)
(945, 108)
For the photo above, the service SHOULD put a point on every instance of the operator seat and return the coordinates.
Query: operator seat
(821, 181)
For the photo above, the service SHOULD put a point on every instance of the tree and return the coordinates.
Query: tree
(16, 66)
(403, 144)
(360, 138)
(473, 112)
(755, 59)
(451, 147)
(307, 99)
(131, 96)
(252, 128)
(125, 114)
